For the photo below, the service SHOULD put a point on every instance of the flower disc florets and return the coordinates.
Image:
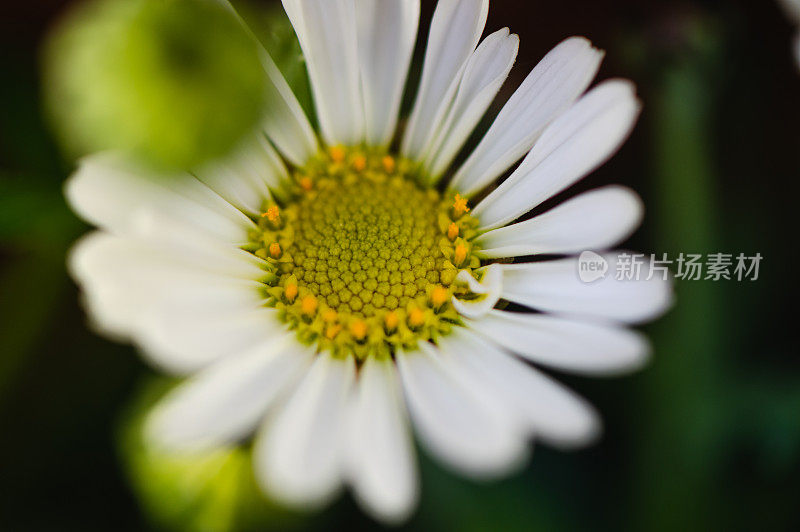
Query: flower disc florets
(365, 258)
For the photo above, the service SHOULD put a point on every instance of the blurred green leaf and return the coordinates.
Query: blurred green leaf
(211, 491)
(33, 214)
(683, 385)
(451, 502)
(36, 229)
(30, 290)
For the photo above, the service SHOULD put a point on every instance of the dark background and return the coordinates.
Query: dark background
(706, 437)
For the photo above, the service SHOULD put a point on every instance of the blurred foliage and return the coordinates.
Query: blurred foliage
(687, 215)
(212, 491)
(177, 82)
(695, 392)
(36, 278)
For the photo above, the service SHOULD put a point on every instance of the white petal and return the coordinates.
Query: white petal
(298, 456)
(545, 408)
(380, 454)
(554, 286)
(284, 120)
(101, 257)
(462, 425)
(484, 74)
(599, 219)
(109, 191)
(556, 82)
(244, 179)
(225, 402)
(234, 183)
(490, 286)
(576, 143)
(93, 262)
(234, 187)
(327, 33)
(185, 313)
(181, 243)
(456, 28)
(387, 33)
(566, 344)
(181, 339)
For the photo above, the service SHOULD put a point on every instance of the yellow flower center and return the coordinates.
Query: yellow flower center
(365, 258)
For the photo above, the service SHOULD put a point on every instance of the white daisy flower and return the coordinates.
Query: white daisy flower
(325, 293)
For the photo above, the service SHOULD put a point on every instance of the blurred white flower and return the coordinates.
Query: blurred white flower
(792, 8)
(325, 306)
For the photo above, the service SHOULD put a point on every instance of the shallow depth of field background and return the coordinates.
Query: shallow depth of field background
(706, 437)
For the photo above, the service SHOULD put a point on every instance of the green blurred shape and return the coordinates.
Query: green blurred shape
(32, 282)
(209, 491)
(31, 288)
(176, 82)
(686, 410)
(514, 504)
(48, 231)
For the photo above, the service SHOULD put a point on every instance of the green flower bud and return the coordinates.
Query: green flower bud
(211, 490)
(176, 82)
